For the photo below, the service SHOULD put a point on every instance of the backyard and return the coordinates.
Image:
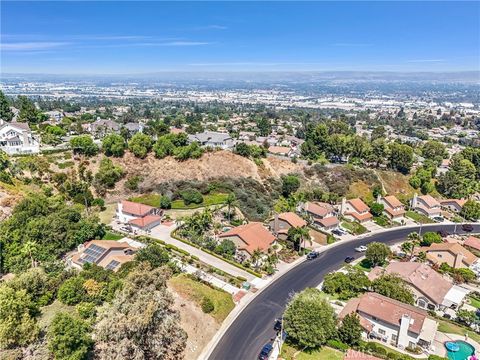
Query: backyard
(450, 328)
(154, 200)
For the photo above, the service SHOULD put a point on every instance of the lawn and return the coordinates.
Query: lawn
(324, 353)
(48, 312)
(109, 235)
(474, 302)
(147, 199)
(450, 328)
(208, 200)
(382, 221)
(418, 217)
(354, 227)
(195, 291)
(107, 215)
(364, 265)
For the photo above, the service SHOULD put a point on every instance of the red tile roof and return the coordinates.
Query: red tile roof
(358, 205)
(293, 219)
(318, 209)
(145, 221)
(279, 149)
(472, 242)
(388, 310)
(329, 221)
(253, 234)
(429, 200)
(135, 208)
(392, 201)
(360, 217)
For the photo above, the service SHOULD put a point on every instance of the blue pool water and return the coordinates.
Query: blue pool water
(459, 350)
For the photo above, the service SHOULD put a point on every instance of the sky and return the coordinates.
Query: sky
(74, 37)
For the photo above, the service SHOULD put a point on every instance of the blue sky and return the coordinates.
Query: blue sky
(139, 37)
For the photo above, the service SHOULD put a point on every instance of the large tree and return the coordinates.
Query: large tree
(350, 330)
(113, 145)
(309, 320)
(392, 286)
(141, 323)
(140, 144)
(377, 253)
(5, 113)
(346, 285)
(84, 145)
(471, 210)
(400, 157)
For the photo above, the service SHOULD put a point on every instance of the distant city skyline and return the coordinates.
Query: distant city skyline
(145, 37)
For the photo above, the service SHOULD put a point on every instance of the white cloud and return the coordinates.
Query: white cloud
(31, 46)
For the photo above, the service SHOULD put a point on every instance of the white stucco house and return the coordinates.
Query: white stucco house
(17, 138)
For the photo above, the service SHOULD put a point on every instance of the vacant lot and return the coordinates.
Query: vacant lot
(195, 291)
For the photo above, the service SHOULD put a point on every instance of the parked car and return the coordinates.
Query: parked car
(443, 233)
(438, 218)
(265, 353)
(447, 316)
(467, 227)
(361, 248)
(337, 232)
(278, 325)
(312, 255)
(349, 259)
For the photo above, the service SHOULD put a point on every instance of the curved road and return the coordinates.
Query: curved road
(253, 327)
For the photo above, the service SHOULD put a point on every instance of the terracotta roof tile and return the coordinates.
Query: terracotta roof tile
(293, 219)
(135, 208)
(145, 221)
(318, 209)
(253, 234)
(429, 200)
(392, 201)
(472, 242)
(358, 205)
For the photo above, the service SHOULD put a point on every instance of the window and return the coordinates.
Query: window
(422, 303)
(394, 337)
(439, 255)
(412, 345)
(381, 331)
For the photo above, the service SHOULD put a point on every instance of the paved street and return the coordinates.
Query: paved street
(254, 325)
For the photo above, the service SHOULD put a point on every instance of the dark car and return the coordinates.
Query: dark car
(467, 227)
(349, 259)
(312, 255)
(447, 316)
(337, 232)
(278, 325)
(265, 353)
(443, 233)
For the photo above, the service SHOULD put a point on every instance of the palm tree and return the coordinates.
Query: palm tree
(408, 247)
(30, 248)
(413, 236)
(257, 254)
(299, 235)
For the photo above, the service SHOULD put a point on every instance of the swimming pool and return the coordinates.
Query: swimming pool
(459, 350)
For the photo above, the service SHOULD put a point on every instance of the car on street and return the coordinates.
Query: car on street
(312, 255)
(349, 259)
(278, 325)
(467, 227)
(265, 353)
(361, 248)
(443, 233)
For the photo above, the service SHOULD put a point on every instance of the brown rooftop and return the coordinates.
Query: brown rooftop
(393, 201)
(136, 208)
(358, 205)
(293, 219)
(253, 234)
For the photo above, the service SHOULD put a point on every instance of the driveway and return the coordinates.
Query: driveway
(162, 232)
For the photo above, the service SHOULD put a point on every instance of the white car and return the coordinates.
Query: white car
(361, 249)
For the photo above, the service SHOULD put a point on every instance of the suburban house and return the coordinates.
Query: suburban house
(444, 166)
(108, 254)
(141, 216)
(280, 150)
(426, 205)
(54, 115)
(392, 321)
(17, 138)
(213, 139)
(472, 243)
(102, 127)
(453, 205)
(431, 290)
(452, 254)
(281, 223)
(393, 208)
(133, 128)
(356, 210)
(321, 214)
(248, 238)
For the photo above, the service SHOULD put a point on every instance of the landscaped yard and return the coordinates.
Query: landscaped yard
(450, 328)
(196, 291)
(382, 221)
(364, 265)
(324, 353)
(354, 227)
(418, 217)
(208, 200)
(107, 215)
(148, 199)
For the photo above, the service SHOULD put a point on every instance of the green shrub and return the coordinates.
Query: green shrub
(207, 305)
(165, 202)
(191, 196)
(381, 351)
(72, 292)
(86, 310)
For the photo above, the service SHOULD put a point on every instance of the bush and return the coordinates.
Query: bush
(132, 182)
(191, 196)
(165, 202)
(86, 310)
(207, 305)
(72, 292)
(380, 351)
(140, 144)
(436, 357)
(336, 344)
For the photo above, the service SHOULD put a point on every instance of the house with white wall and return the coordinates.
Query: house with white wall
(17, 138)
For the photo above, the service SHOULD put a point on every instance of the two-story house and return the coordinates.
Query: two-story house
(356, 210)
(453, 254)
(393, 208)
(141, 216)
(392, 321)
(453, 205)
(281, 223)
(426, 205)
(17, 138)
(321, 214)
